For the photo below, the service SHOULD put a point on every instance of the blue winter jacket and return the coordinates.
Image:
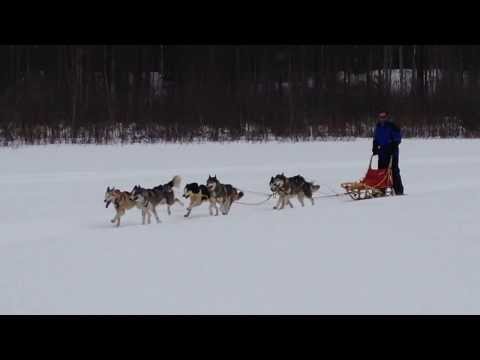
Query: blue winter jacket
(386, 136)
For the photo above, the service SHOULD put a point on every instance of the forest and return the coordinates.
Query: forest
(104, 94)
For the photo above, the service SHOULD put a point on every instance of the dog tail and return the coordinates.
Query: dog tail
(175, 182)
(307, 189)
(237, 194)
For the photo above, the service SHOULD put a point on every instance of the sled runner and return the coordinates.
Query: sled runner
(376, 183)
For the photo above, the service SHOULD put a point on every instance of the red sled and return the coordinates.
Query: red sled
(376, 183)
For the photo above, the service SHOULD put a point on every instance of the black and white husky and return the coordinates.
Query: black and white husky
(198, 194)
(148, 199)
(288, 187)
(223, 194)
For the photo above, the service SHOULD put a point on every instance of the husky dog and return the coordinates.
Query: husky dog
(170, 196)
(149, 199)
(198, 194)
(121, 200)
(224, 194)
(288, 187)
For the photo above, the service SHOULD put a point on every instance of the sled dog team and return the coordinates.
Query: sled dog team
(214, 192)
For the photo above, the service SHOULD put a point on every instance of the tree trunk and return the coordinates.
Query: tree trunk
(402, 75)
(107, 84)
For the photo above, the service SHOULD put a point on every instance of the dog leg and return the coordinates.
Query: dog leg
(150, 209)
(278, 203)
(300, 199)
(290, 203)
(178, 200)
(229, 205)
(311, 199)
(192, 205)
(224, 208)
(119, 215)
(116, 217)
(146, 215)
(168, 210)
(213, 205)
(156, 215)
(285, 201)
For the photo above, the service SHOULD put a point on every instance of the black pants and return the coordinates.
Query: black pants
(383, 161)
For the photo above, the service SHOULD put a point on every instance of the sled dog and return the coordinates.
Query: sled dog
(198, 194)
(223, 194)
(288, 187)
(121, 200)
(148, 199)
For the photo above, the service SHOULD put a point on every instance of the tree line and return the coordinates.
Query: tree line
(140, 93)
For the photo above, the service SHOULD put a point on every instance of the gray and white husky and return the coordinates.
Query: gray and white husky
(148, 199)
(288, 187)
(223, 194)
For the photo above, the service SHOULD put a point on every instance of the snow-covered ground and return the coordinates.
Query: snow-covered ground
(417, 254)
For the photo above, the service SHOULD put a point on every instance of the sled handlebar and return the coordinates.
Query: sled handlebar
(371, 158)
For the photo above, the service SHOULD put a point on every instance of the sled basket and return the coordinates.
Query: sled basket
(376, 183)
(378, 178)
